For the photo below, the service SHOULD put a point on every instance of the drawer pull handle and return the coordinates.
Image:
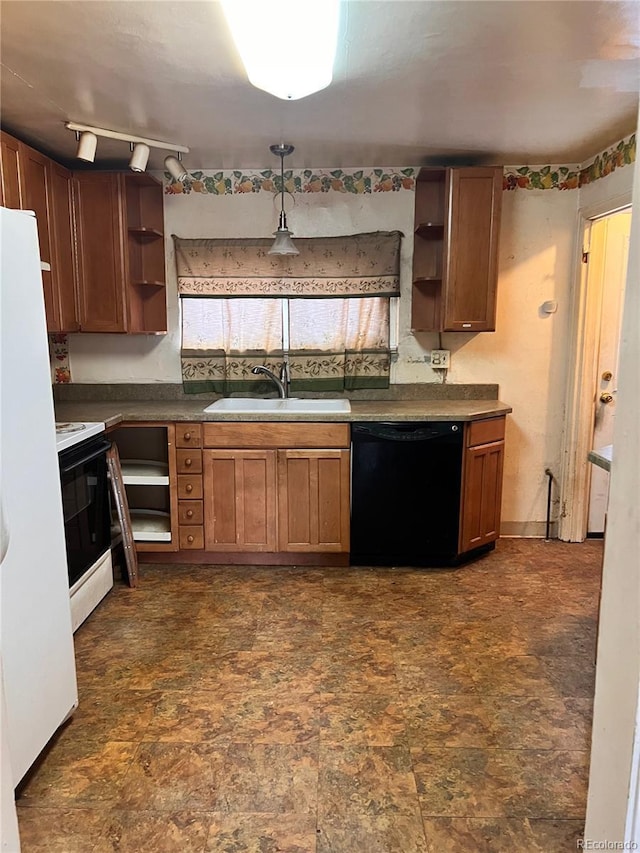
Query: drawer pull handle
(189, 539)
(187, 436)
(188, 463)
(189, 487)
(189, 513)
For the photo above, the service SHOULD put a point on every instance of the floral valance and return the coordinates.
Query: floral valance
(354, 265)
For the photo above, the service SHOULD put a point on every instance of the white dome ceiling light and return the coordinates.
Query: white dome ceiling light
(296, 65)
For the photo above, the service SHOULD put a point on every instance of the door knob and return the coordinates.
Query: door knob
(606, 397)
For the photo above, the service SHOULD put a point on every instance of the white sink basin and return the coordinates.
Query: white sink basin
(254, 405)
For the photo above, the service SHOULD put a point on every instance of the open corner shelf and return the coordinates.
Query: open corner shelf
(430, 230)
(144, 234)
(149, 525)
(144, 472)
(149, 283)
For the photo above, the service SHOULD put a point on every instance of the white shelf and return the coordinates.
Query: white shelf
(144, 472)
(150, 525)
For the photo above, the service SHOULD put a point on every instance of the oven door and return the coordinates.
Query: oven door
(85, 504)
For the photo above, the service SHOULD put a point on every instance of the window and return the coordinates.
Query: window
(327, 310)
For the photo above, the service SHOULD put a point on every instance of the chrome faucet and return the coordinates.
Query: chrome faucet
(282, 383)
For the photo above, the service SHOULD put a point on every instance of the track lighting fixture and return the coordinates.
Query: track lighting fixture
(175, 168)
(283, 244)
(87, 143)
(139, 158)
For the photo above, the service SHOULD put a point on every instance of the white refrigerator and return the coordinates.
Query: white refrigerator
(39, 688)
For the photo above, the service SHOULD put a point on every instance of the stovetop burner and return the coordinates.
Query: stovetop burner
(68, 434)
(64, 428)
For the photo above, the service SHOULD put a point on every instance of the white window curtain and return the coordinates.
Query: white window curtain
(332, 322)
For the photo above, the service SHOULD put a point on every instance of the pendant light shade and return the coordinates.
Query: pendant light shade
(87, 146)
(283, 244)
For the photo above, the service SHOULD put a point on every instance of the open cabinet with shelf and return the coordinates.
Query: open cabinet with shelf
(455, 255)
(147, 459)
(145, 242)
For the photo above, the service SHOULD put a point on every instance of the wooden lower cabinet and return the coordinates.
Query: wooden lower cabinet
(273, 488)
(239, 500)
(313, 500)
(481, 495)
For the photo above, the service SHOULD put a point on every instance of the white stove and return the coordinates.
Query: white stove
(68, 434)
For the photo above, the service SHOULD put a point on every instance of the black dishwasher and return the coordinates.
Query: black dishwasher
(405, 493)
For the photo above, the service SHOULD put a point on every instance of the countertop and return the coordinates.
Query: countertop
(114, 412)
(602, 457)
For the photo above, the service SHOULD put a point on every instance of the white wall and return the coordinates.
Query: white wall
(527, 356)
(612, 807)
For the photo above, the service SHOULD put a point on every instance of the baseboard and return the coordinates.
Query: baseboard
(528, 529)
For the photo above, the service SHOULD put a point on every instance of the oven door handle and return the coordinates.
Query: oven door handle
(98, 451)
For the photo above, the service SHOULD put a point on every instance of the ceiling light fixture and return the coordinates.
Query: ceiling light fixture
(140, 145)
(283, 244)
(87, 143)
(176, 169)
(306, 64)
(139, 158)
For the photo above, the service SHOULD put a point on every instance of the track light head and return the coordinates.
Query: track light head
(87, 144)
(139, 158)
(176, 169)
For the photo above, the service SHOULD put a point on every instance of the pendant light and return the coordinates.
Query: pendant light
(283, 244)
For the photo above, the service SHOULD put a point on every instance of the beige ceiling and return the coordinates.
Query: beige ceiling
(507, 82)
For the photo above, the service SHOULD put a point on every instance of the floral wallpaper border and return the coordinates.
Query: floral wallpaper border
(571, 177)
(356, 181)
(59, 359)
(363, 181)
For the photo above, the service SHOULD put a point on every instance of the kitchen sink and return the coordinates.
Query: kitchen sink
(293, 405)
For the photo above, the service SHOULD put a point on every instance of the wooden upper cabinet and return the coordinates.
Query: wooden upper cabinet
(102, 268)
(10, 190)
(31, 181)
(455, 262)
(36, 196)
(120, 246)
(475, 197)
(63, 265)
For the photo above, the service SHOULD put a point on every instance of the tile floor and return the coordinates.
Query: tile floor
(331, 710)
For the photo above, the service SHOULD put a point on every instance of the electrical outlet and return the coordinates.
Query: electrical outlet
(440, 358)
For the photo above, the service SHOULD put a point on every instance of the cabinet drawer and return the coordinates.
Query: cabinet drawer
(191, 537)
(188, 435)
(189, 461)
(484, 432)
(276, 435)
(190, 512)
(190, 486)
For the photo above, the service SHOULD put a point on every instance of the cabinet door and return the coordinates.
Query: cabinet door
(482, 495)
(102, 274)
(239, 500)
(10, 190)
(474, 204)
(63, 250)
(313, 500)
(35, 192)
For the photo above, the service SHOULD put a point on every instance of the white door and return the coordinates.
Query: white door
(609, 254)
